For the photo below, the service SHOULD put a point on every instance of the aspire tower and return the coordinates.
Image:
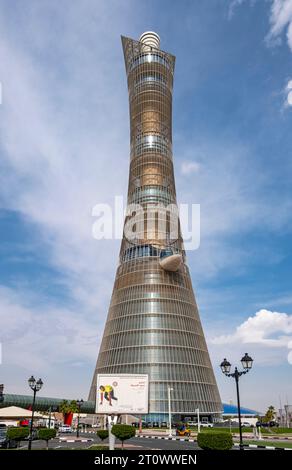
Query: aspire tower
(153, 325)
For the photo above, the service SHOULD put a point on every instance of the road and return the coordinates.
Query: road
(135, 443)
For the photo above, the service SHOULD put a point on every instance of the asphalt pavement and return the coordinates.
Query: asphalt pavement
(136, 443)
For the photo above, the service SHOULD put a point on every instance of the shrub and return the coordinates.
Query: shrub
(215, 440)
(123, 432)
(46, 434)
(17, 434)
(102, 434)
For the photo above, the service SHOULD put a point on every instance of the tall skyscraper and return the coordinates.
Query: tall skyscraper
(153, 325)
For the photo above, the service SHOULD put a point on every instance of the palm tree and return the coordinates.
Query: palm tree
(270, 414)
(68, 408)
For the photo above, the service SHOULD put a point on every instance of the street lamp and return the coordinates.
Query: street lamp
(35, 386)
(246, 362)
(79, 404)
(197, 410)
(170, 389)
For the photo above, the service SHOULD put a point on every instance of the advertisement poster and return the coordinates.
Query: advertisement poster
(122, 393)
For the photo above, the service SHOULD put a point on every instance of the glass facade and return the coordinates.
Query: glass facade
(153, 325)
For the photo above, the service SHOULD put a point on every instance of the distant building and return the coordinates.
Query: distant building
(285, 416)
(232, 410)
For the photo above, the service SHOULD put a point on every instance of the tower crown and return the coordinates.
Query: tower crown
(150, 39)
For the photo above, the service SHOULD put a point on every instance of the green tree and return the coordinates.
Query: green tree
(123, 432)
(270, 414)
(68, 408)
(17, 434)
(46, 434)
(102, 434)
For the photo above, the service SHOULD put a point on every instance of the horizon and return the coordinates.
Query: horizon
(65, 148)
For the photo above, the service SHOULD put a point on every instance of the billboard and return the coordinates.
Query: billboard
(122, 393)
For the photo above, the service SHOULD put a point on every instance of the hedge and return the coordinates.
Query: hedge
(102, 434)
(215, 440)
(46, 434)
(17, 434)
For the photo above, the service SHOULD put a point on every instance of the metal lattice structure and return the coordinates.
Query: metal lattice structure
(153, 324)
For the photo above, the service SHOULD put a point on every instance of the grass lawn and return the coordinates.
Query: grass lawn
(227, 429)
(276, 431)
(287, 445)
(97, 447)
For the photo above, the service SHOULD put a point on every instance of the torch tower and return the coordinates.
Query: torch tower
(153, 325)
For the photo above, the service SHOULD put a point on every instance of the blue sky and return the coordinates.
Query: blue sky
(64, 147)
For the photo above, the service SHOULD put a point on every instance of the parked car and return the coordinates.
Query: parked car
(65, 428)
(274, 424)
(163, 424)
(245, 424)
(3, 434)
(269, 424)
(155, 424)
(206, 425)
(6, 443)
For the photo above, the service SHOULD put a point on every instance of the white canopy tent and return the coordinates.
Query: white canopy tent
(15, 412)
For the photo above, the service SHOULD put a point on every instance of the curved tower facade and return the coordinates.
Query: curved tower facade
(153, 325)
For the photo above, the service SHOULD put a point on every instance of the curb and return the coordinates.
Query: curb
(255, 446)
(167, 438)
(251, 446)
(62, 439)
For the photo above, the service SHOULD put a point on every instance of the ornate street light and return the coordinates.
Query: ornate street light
(79, 404)
(225, 366)
(246, 362)
(35, 386)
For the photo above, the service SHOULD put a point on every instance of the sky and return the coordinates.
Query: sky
(64, 147)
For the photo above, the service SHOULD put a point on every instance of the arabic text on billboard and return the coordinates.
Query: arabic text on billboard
(124, 393)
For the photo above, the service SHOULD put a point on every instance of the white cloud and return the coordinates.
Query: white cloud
(270, 329)
(287, 92)
(56, 147)
(190, 167)
(280, 21)
(230, 202)
(44, 337)
(64, 119)
(232, 6)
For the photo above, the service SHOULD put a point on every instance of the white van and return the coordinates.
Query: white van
(65, 428)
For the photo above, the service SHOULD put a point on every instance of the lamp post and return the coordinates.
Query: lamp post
(79, 404)
(35, 386)
(50, 417)
(197, 410)
(246, 362)
(170, 389)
